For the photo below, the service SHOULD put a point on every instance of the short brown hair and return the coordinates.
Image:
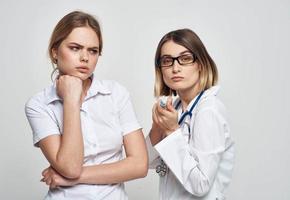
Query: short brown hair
(65, 26)
(190, 40)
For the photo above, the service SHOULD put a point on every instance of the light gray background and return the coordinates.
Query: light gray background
(249, 40)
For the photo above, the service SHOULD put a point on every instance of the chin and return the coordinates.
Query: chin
(177, 87)
(83, 76)
(180, 88)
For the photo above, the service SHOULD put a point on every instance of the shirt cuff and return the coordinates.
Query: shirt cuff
(173, 149)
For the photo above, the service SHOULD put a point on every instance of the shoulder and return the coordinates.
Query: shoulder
(210, 102)
(115, 88)
(212, 113)
(39, 100)
(119, 95)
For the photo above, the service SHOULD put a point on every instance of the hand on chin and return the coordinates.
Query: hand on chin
(80, 75)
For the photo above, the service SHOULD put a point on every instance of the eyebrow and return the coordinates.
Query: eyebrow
(181, 53)
(77, 44)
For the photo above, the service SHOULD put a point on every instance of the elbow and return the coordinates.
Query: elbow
(201, 193)
(69, 171)
(201, 189)
(72, 173)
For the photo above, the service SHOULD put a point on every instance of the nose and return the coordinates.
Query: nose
(175, 66)
(84, 57)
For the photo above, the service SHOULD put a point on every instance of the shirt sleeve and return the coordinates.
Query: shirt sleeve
(127, 116)
(154, 158)
(41, 120)
(195, 164)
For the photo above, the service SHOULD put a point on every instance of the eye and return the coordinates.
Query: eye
(74, 48)
(186, 58)
(166, 61)
(94, 51)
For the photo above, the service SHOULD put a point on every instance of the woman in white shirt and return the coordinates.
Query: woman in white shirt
(81, 124)
(190, 145)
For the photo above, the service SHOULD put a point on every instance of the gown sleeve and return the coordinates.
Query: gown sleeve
(195, 163)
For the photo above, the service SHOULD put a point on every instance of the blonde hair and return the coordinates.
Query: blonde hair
(65, 26)
(187, 38)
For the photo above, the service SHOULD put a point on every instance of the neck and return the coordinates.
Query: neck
(186, 96)
(86, 86)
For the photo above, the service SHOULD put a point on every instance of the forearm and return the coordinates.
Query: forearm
(121, 171)
(71, 151)
(155, 135)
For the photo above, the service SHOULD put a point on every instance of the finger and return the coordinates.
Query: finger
(160, 117)
(154, 114)
(162, 102)
(44, 172)
(153, 108)
(161, 111)
(161, 124)
(52, 169)
(46, 176)
(160, 120)
(155, 119)
(169, 104)
(52, 184)
(48, 181)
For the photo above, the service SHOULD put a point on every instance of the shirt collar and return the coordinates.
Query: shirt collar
(51, 94)
(96, 87)
(212, 91)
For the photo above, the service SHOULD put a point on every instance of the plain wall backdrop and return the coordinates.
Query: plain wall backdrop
(249, 41)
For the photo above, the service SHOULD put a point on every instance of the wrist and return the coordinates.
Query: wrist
(76, 181)
(170, 131)
(72, 103)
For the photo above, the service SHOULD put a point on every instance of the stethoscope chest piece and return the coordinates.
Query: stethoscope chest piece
(161, 169)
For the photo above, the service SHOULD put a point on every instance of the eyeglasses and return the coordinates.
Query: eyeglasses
(168, 61)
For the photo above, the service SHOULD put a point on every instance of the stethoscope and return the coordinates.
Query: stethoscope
(162, 169)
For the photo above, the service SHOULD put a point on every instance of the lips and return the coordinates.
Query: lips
(177, 78)
(82, 69)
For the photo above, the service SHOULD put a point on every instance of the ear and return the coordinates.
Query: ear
(54, 55)
(199, 67)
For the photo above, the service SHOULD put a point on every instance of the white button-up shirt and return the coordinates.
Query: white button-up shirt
(199, 158)
(106, 116)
